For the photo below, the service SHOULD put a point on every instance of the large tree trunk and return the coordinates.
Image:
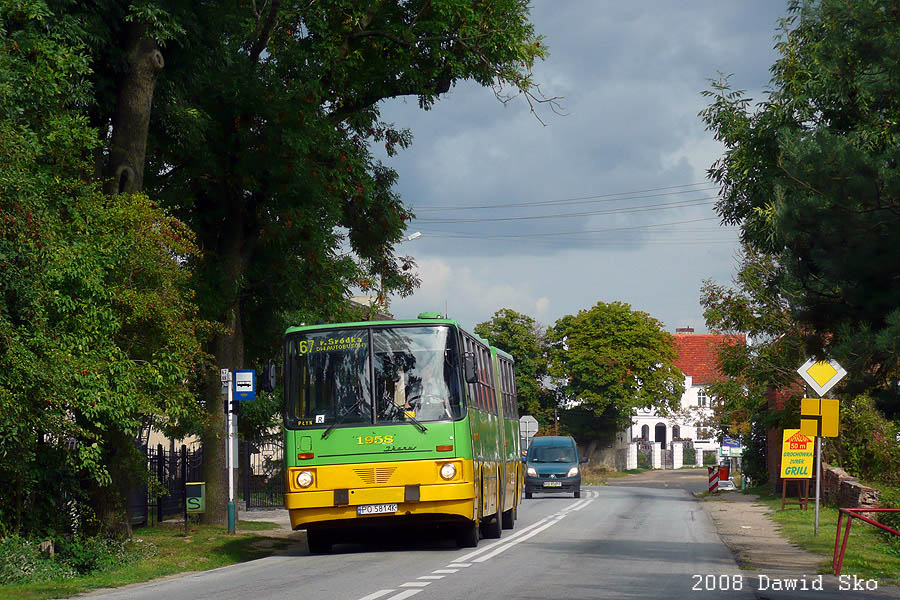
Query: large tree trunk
(131, 122)
(228, 349)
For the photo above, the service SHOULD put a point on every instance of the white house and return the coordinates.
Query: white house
(697, 359)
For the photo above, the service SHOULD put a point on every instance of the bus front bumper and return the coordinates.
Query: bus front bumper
(447, 501)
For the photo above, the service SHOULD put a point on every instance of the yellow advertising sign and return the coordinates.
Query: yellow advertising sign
(797, 452)
(819, 417)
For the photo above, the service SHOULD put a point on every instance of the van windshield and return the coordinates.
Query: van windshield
(564, 454)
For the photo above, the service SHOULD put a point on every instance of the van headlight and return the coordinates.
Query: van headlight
(448, 471)
(573, 472)
(531, 472)
(304, 479)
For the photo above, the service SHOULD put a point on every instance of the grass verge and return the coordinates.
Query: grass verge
(869, 554)
(161, 551)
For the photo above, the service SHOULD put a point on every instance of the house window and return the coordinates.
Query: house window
(701, 397)
(645, 432)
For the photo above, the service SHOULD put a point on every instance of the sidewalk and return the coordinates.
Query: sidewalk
(766, 555)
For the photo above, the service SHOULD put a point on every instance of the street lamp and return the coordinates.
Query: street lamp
(413, 236)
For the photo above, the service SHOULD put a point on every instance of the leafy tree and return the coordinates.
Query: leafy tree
(612, 360)
(253, 123)
(812, 176)
(755, 306)
(523, 338)
(98, 331)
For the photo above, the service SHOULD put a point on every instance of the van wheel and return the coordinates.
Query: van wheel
(509, 519)
(528, 495)
(578, 492)
(318, 542)
(467, 535)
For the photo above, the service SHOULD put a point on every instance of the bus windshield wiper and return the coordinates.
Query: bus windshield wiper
(341, 419)
(418, 425)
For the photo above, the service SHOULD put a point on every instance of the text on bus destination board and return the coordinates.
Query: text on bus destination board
(331, 345)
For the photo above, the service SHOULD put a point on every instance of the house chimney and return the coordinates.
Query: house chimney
(684, 330)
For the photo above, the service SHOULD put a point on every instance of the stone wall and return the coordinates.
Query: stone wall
(843, 490)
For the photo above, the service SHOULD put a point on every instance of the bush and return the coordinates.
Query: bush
(22, 561)
(710, 459)
(643, 460)
(689, 457)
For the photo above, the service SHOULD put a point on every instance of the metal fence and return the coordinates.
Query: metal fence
(262, 472)
(170, 468)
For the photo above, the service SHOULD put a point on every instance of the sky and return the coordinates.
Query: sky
(625, 165)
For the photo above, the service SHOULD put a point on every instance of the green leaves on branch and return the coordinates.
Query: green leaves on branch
(612, 359)
(812, 177)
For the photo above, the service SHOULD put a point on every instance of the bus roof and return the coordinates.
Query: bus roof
(371, 323)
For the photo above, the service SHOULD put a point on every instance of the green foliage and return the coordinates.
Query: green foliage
(612, 361)
(643, 461)
(22, 561)
(690, 456)
(98, 331)
(523, 338)
(811, 175)
(867, 445)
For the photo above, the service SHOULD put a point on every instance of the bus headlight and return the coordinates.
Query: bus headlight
(448, 471)
(573, 472)
(531, 472)
(304, 479)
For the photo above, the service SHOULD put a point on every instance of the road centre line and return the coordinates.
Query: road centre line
(378, 594)
(471, 555)
(493, 550)
(506, 547)
(404, 594)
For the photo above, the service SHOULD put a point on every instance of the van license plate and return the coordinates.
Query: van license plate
(553, 484)
(376, 509)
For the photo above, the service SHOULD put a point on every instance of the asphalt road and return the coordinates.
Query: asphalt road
(613, 542)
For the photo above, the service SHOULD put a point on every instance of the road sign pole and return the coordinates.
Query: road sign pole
(818, 482)
(229, 454)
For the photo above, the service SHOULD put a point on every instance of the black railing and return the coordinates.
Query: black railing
(262, 472)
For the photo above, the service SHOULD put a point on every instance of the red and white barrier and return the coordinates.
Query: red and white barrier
(713, 480)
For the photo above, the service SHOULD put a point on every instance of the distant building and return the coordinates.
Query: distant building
(697, 359)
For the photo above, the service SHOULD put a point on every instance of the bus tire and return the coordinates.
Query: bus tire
(467, 535)
(318, 542)
(509, 519)
(491, 529)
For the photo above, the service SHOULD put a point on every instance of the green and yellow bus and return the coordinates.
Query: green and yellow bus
(391, 422)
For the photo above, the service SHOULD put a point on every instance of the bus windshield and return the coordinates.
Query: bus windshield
(328, 379)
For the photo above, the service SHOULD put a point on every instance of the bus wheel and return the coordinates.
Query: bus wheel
(318, 542)
(467, 535)
(491, 529)
(509, 518)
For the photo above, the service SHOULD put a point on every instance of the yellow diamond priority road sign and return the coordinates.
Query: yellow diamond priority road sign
(821, 375)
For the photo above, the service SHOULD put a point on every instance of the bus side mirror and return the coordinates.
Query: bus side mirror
(267, 380)
(469, 363)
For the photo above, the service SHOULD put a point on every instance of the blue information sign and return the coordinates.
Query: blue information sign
(245, 385)
(731, 442)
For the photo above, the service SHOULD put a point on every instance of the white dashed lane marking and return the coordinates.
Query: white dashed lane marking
(488, 552)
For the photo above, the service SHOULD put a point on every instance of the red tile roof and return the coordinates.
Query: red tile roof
(698, 352)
